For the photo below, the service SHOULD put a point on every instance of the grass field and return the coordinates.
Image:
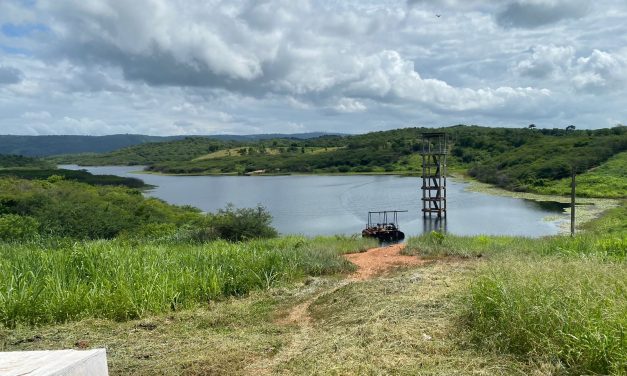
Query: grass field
(608, 180)
(572, 313)
(558, 300)
(233, 152)
(121, 281)
(402, 324)
(479, 305)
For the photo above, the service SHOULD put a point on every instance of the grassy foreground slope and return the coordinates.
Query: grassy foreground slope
(553, 306)
(119, 280)
(402, 324)
(558, 301)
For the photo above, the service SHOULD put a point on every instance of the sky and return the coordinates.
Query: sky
(200, 67)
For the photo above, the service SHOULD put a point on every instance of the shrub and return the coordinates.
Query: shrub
(243, 224)
(16, 227)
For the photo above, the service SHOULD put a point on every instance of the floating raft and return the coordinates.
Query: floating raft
(385, 228)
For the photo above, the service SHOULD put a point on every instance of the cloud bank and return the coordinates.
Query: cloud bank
(204, 67)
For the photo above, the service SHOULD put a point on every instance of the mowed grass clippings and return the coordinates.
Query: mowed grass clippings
(220, 338)
(404, 324)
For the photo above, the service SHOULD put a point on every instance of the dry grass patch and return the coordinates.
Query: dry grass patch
(404, 324)
(222, 338)
(401, 323)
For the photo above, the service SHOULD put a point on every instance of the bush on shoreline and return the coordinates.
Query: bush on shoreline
(60, 208)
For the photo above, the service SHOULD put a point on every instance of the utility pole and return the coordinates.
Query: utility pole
(572, 203)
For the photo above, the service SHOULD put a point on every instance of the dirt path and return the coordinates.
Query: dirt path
(370, 264)
(379, 260)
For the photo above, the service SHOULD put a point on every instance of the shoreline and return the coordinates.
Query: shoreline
(588, 209)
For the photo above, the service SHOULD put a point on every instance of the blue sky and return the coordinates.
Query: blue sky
(166, 67)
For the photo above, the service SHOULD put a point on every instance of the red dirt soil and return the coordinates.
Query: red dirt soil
(379, 260)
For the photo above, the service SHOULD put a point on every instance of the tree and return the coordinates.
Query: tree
(532, 126)
(570, 128)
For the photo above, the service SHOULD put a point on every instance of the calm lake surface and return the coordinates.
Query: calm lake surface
(326, 205)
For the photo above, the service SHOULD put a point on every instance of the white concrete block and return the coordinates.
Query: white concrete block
(54, 363)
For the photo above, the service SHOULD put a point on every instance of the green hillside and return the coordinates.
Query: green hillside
(515, 159)
(607, 180)
(12, 161)
(177, 150)
(40, 146)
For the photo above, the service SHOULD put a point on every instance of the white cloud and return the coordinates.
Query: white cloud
(163, 67)
(547, 61)
(601, 71)
(39, 115)
(535, 13)
(349, 105)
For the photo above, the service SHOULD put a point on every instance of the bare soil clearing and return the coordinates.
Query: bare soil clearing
(380, 260)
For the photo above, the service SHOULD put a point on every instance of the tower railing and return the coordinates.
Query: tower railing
(433, 150)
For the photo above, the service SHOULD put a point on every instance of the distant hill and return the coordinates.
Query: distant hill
(19, 161)
(519, 159)
(42, 146)
(270, 136)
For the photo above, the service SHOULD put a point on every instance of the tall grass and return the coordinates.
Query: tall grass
(571, 313)
(556, 299)
(611, 247)
(114, 279)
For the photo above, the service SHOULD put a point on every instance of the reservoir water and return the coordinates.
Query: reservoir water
(327, 205)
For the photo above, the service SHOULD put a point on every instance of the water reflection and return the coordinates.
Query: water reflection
(434, 224)
(551, 206)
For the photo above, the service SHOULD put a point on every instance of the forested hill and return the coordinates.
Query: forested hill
(41, 146)
(518, 159)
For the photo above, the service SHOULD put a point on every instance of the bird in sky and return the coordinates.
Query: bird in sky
(438, 15)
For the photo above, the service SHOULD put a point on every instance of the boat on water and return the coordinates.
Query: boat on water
(383, 225)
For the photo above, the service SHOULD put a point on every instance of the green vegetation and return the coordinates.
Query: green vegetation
(117, 280)
(18, 162)
(69, 209)
(144, 154)
(153, 257)
(74, 175)
(535, 163)
(402, 324)
(18, 166)
(570, 311)
(39, 146)
(607, 180)
(557, 300)
(515, 159)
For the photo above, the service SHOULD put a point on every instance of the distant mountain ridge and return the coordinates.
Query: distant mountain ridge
(43, 146)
